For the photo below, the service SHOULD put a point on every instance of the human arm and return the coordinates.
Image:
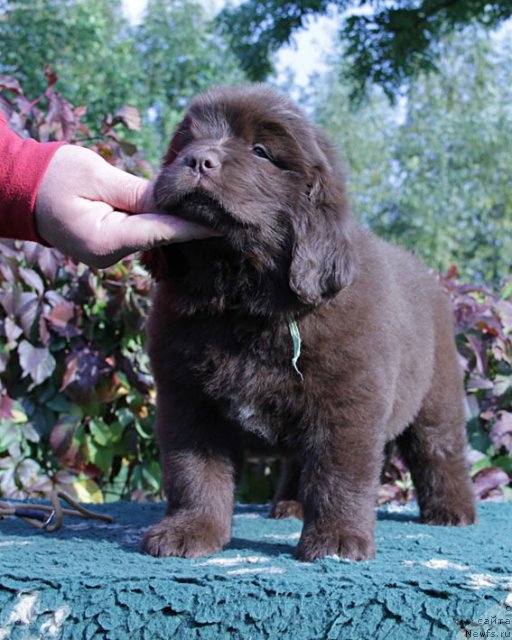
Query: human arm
(23, 163)
(70, 198)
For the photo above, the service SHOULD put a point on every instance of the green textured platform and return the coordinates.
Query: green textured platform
(90, 581)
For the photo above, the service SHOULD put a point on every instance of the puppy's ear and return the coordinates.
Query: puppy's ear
(322, 256)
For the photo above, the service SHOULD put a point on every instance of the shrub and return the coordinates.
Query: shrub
(76, 397)
(484, 338)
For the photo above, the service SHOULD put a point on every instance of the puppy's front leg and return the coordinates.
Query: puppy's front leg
(200, 463)
(338, 490)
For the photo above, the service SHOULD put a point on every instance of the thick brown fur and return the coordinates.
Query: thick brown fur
(378, 358)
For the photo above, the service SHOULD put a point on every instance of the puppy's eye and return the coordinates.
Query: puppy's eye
(260, 151)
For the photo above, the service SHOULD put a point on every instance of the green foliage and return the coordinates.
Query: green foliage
(179, 55)
(484, 335)
(259, 480)
(75, 389)
(387, 42)
(85, 41)
(103, 62)
(400, 39)
(76, 397)
(257, 29)
(435, 175)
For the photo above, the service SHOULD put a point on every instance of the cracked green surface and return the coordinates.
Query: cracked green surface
(90, 581)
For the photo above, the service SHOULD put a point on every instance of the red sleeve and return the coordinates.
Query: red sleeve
(23, 163)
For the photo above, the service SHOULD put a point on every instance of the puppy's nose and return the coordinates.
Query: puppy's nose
(203, 161)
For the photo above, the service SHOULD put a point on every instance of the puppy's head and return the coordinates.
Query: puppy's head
(246, 162)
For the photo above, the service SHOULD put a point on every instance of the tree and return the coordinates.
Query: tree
(104, 63)
(180, 55)
(85, 42)
(436, 175)
(388, 42)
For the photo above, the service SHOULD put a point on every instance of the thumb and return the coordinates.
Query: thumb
(124, 191)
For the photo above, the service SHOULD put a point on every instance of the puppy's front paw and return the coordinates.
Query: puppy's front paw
(315, 545)
(185, 536)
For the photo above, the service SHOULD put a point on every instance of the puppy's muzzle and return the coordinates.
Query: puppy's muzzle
(203, 160)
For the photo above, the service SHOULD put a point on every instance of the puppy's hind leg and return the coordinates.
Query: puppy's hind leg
(286, 500)
(434, 448)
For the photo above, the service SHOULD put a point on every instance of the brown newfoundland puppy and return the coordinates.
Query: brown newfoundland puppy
(296, 325)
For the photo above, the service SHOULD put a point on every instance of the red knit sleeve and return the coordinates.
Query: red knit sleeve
(23, 163)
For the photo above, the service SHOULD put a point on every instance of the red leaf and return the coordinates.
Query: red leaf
(451, 274)
(61, 119)
(492, 326)
(480, 351)
(9, 298)
(476, 382)
(25, 106)
(49, 261)
(44, 334)
(32, 279)
(129, 117)
(61, 319)
(80, 112)
(6, 108)
(70, 372)
(27, 311)
(8, 83)
(501, 432)
(54, 298)
(504, 309)
(9, 248)
(37, 362)
(62, 313)
(12, 332)
(31, 251)
(5, 406)
(50, 75)
(62, 444)
(488, 414)
(489, 479)
(9, 272)
(83, 370)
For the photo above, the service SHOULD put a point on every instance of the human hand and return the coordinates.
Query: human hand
(80, 209)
